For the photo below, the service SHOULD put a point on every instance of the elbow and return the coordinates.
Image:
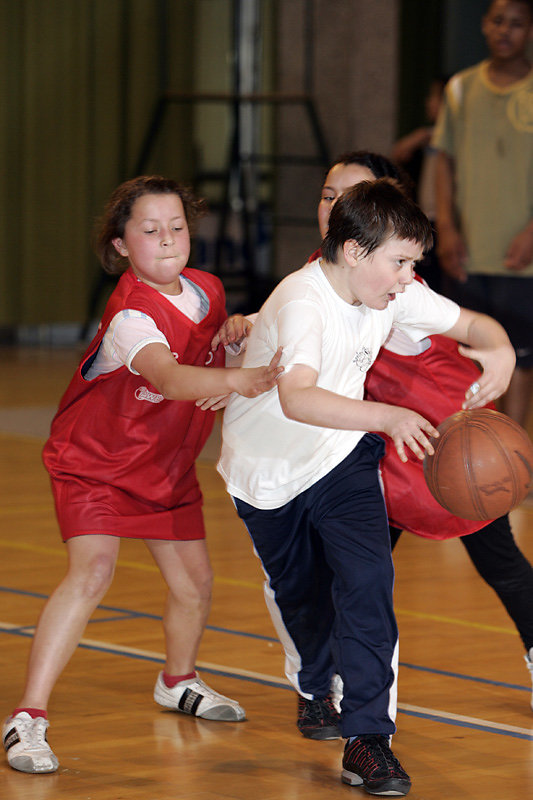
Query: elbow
(290, 406)
(170, 391)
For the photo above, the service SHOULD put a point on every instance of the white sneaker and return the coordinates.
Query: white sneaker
(25, 744)
(529, 662)
(194, 697)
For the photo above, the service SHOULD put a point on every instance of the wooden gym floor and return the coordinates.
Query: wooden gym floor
(465, 726)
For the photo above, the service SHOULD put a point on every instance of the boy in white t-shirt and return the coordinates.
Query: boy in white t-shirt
(302, 469)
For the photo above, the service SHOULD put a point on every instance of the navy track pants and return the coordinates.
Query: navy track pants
(326, 555)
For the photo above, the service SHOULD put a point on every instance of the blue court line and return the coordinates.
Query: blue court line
(463, 724)
(126, 613)
(278, 685)
(462, 677)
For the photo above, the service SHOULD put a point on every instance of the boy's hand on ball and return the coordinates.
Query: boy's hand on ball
(406, 427)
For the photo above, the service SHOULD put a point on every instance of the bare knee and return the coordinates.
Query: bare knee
(94, 578)
(200, 588)
(195, 594)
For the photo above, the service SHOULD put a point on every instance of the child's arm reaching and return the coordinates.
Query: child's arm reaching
(488, 344)
(177, 381)
(232, 335)
(302, 400)
(233, 331)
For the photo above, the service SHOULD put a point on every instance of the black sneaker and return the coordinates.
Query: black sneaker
(369, 761)
(318, 719)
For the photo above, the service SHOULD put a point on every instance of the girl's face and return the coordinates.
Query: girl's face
(339, 178)
(156, 241)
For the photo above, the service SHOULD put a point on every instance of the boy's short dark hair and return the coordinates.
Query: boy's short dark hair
(371, 212)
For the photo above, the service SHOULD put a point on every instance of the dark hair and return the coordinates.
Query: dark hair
(380, 167)
(370, 213)
(528, 3)
(118, 211)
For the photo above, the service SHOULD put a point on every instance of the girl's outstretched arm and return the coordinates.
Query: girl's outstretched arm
(177, 381)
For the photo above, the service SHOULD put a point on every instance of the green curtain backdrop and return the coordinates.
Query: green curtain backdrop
(80, 79)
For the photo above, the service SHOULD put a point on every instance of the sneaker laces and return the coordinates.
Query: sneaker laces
(330, 705)
(389, 760)
(314, 709)
(32, 732)
(210, 694)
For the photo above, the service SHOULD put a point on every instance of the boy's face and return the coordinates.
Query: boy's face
(507, 27)
(376, 279)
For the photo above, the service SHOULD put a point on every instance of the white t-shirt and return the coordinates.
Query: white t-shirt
(131, 330)
(268, 459)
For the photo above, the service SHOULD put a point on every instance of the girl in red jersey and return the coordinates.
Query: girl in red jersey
(122, 449)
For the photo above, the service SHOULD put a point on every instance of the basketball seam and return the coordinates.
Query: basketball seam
(503, 454)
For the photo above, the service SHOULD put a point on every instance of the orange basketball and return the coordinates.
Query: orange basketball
(482, 466)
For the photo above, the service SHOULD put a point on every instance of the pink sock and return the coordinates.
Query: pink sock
(171, 680)
(33, 712)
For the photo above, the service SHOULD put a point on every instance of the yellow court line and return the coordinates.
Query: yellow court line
(453, 621)
(13, 511)
(26, 437)
(137, 565)
(55, 551)
(33, 548)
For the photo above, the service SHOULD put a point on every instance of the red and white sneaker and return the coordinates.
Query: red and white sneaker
(26, 745)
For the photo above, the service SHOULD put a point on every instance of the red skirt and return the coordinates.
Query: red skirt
(84, 507)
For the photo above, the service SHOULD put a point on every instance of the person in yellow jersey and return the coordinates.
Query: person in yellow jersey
(484, 187)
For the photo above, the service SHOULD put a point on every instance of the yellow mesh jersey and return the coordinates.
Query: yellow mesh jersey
(489, 132)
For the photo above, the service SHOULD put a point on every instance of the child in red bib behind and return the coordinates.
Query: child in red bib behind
(122, 449)
(431, 378)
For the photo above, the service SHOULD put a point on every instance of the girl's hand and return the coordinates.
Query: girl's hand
(249, 381)
(252, 381)
(232, 331)
(406, 427)
(213, 403)
(498, 366)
